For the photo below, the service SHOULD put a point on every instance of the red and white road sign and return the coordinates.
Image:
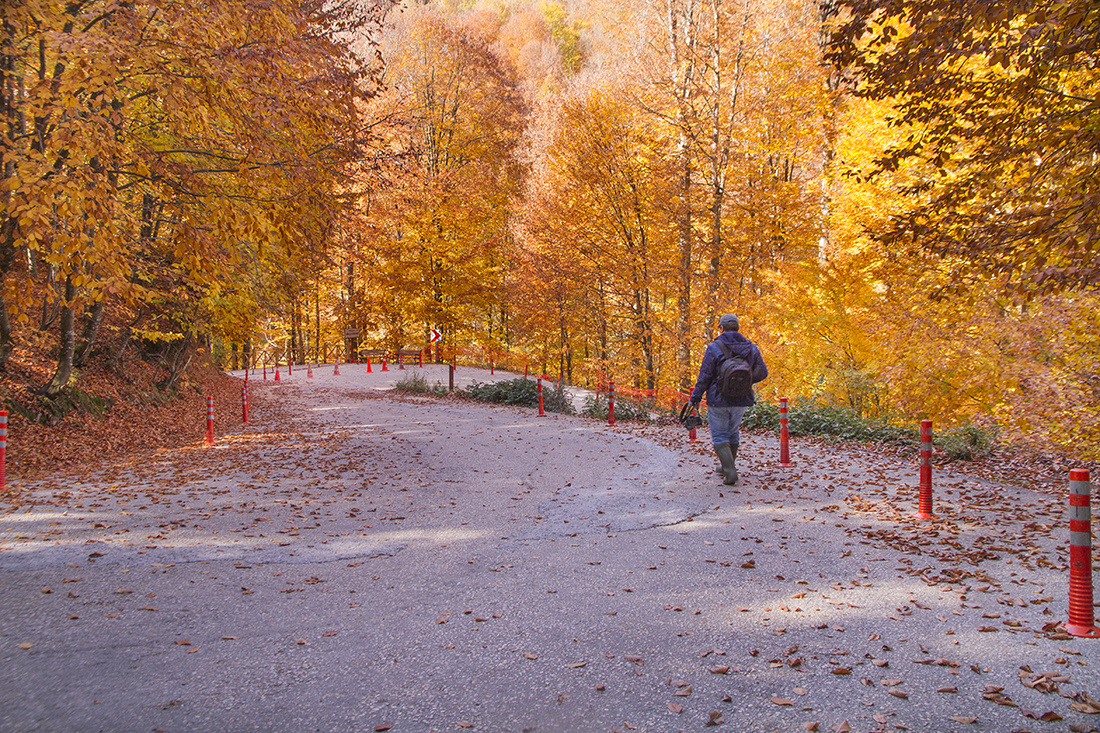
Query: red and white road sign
(436, 335)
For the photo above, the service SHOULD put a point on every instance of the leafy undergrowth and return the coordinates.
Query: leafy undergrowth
(114, 414)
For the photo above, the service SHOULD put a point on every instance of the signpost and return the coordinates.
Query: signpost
(435, 336)
(351, 343)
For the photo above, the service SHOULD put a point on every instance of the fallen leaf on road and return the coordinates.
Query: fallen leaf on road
(675, 708)
(715, 718)
(576, 665)
(782, 701)
(964, 718)
(26, 645)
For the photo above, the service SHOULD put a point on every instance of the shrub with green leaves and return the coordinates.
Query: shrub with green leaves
(625, 410)
(762, 415)
(522, 392)
(417, 384)
(966, 443)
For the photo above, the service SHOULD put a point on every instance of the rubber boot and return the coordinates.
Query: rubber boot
(718, 470)
(733, 463)
(725, 455)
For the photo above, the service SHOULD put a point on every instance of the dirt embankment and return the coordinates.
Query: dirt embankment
(122, 414)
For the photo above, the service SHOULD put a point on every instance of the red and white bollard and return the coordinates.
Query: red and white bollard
(265, 372)
(244, 403)
(384, 367)
(924, 506)
(277, 372)
(542, 413)
(309, 371)
(611, 403)
(336, 370)
(784, 433)
(420, 359)
(210, 421)
(490, 369)
(369, 370)
(1081, 621)
(3, 448)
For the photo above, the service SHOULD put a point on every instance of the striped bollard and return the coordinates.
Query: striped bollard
(309, 371)
(277, 372)
(490, 369)
(924, 506)
(542, 413)
(385, 368)
(784, 433)
(369, 370)
(244, 403)
(265, 372)
(210, 421)
(611, 403)
(3, 449)
(336, 370)
(1081, 621)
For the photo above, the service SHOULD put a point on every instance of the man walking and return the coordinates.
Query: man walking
(731, 365)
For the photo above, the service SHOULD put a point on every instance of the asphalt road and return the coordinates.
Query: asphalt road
(354, 560)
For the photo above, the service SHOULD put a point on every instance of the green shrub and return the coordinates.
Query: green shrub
(762, 415)
(625, 410)
(522, 392)
(966, 443)
(815, 418)
(417, 384)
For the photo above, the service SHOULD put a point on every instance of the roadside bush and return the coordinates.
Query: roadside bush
(417, 384)
(814, 418)
(763, 415)
(625, 410)
(522, 392)
(966, 442)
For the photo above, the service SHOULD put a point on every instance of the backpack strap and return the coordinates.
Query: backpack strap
(725, 349)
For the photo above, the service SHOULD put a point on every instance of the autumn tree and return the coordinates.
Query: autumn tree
(437, 227)
(1000, 100)
(153, 150)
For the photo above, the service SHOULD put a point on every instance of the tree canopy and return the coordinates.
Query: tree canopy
(898, 198)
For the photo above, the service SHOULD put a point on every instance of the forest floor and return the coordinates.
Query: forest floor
(360, 559)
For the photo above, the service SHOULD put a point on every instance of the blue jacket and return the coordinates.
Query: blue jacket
(708, 371)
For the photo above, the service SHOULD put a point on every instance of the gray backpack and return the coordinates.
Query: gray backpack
(734, 374)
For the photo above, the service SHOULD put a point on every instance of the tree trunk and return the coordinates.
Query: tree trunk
(6, 343)
(68, 342)
(92, 321)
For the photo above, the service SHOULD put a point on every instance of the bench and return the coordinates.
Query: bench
(372, 354)
(410, 356)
